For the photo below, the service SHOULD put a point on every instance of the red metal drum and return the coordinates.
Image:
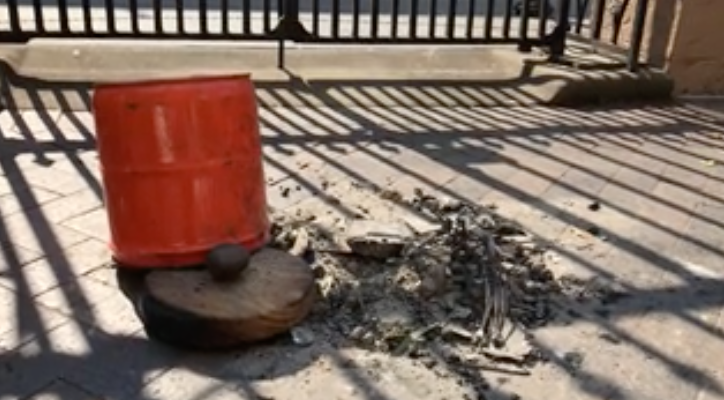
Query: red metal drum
(182, 168)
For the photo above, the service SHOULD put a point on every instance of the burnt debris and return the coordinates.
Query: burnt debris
(467, 293)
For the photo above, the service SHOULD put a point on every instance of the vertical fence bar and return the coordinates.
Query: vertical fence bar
(225, 17)
(581, 11)
(471, 19)
(63, 15)
(158, 16)
(598, 10)
(14, 17)
(375, 18)
(289, 27)
(246, 16)
(432, 18)
(543, 17)
(395, 18)
(267, 16)
(414, 6)
(355, 18)
(564, 10)
(280, 8)
(38, 14)
(335, 19)
(315, 17)
(203, 16)
(133, 11)
(281, 62)
(618, 13)
(281, 14)
(451, 17)
(180, 23)
(87, 17)
(558, 48)
(110, 16)
(637, 35)
(507, 18)
(489, 15)
(524, 15)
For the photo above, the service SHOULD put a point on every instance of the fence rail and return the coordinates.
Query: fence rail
(526, 23)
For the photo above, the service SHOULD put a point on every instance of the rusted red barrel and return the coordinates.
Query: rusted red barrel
(182, 168)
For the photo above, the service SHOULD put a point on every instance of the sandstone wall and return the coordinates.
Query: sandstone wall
(696, 56)
(685, 37)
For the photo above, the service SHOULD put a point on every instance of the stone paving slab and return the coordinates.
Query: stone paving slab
(657, 172)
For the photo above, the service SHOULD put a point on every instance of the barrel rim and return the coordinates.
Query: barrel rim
(172, 80)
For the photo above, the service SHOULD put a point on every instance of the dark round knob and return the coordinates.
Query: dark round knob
(227, 261)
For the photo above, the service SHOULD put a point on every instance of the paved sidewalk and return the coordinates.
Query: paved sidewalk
(68, 333)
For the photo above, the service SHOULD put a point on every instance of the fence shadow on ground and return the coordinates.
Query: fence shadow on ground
(653, 169)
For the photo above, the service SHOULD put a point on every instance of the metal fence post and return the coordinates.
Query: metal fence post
(598, 10)
(289, 28)
(281, 31)
(558, 36)
(637, 35)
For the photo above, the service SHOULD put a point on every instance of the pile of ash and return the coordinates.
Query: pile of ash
(466, 292)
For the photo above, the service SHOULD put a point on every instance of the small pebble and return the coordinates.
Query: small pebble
(302, 336)
(357, 333)
(574, 360)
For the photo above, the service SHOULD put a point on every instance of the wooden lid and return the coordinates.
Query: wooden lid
(273, 294)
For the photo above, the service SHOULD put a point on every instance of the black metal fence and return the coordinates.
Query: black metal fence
(594, 15)
(526, 23)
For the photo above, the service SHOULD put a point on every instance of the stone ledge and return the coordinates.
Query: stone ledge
(60, 75)
(600, 87)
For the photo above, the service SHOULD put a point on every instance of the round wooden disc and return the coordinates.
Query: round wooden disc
(187, 307)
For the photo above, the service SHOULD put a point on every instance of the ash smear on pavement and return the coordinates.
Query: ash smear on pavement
(462, 293)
